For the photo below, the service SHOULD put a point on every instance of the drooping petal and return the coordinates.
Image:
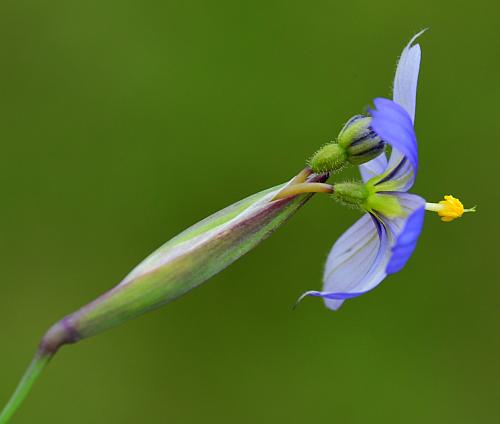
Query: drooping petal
(372, 248)
(393, 124)
(404, 232)
(406, 79)
(356, 263)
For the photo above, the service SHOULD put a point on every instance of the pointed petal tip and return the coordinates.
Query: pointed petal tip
(417, 35)
(406, 78)
(303, 296)
(332, 304)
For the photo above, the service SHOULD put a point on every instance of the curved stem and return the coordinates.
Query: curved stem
(37, 365)
(303, 188)
(301, 177)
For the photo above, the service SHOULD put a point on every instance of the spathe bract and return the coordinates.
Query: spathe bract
(175, 268)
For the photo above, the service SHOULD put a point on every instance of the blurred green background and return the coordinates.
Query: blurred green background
(124, 122)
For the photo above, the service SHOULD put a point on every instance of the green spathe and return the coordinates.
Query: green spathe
(181, 264)
(178, 266)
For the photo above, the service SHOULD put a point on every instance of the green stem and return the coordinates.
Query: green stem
(37, 365)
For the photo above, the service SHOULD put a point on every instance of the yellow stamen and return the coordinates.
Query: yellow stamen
(448, 209)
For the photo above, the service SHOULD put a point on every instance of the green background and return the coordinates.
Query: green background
(123, 122)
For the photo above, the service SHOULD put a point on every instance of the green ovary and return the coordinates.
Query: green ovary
(386, 204)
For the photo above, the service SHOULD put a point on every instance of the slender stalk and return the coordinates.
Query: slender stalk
(301, 177)
(37, 365)
(303, 188)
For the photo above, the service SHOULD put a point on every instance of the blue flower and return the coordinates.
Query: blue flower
(382, 241)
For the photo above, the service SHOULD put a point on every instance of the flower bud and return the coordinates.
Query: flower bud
(357, 143)
(360, 142)
(329, 158)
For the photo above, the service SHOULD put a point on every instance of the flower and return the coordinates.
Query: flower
(382, 241)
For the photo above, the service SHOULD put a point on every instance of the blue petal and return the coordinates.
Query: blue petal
(373, 168)
(356, 263)
(393, 124)
(406, 240)
(406, 79)
(367, 252)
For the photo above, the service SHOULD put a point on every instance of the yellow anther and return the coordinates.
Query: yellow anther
(448, 209)
(452, 208)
